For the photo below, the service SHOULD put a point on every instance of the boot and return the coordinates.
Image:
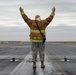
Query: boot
(34, 64)
(42, 64)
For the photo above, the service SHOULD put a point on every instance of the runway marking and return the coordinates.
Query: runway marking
(12, 56)
(25, 67)
(57, 73)
(20, 46)
(21, 66)
(48, 67)
(58, 70)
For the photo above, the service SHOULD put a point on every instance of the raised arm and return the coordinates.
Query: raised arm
(49, 19)
(25, 17)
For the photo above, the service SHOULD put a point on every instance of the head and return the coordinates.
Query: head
(37, 17)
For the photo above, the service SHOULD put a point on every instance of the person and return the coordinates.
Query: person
(35, 34)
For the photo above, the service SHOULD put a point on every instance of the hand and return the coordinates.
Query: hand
(21, 9)
(53, 9)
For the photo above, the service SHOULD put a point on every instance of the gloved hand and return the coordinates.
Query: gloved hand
(21, 10)
(53, 9)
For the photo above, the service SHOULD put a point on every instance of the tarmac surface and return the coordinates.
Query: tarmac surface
(60, 59)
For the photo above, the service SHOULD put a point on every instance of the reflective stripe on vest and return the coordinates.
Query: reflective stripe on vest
(37, 31)
(35, 40)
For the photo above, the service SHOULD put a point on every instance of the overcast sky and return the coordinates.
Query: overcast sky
(62, 28)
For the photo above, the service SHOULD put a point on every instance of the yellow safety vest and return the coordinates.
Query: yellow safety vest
(36, 38)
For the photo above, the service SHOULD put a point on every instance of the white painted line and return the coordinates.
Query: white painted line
(48, 67)
(21, 66)
(25, 67)
(64, 60)
(57, 73)
(15, 60)
(20, 46)
(4, 56)
(12, 56)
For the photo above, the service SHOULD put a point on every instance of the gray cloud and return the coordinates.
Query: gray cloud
(53, 33)
(59, 33)
(14, 33)
(13, 27)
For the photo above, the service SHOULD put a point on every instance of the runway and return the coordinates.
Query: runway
(55, 63)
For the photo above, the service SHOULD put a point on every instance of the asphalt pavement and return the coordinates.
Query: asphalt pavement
(57, 54)
(62, 58)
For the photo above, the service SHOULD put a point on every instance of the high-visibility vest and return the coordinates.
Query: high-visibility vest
(37, 31)
(36, 38)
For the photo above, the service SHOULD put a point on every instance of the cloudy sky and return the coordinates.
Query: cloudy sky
(62, 28)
